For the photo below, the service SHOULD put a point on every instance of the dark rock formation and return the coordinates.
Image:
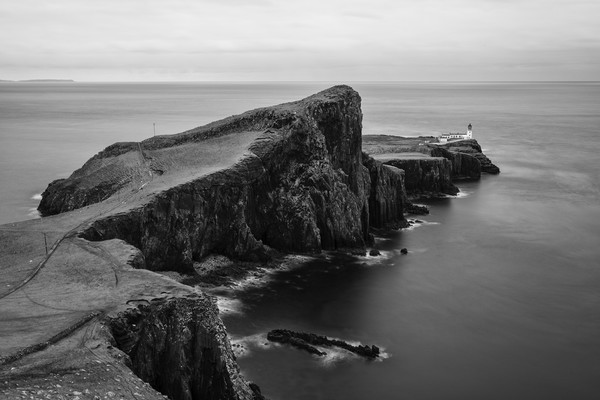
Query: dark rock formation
(417, 209)
(464, 166)
(426, 177)
(472, 148)
(387, 194)
(404, 250)
(374, 252)
(308, 341)
(303, 186)
(180, 348)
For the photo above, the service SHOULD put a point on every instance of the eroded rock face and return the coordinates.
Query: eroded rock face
(301, 187)
(464, 166)
(426, 177)
(472, 148)
(387, 199)
(180, 347)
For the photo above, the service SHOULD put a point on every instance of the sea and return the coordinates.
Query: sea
(499, 294)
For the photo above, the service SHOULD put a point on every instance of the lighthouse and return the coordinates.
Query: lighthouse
(470, 131)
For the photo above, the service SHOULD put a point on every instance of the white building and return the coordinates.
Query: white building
(446, 137)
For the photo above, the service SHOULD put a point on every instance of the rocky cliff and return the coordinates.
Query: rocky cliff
(463, 166)
(387, 197)
(426, 177)
(470, 147)
(430, 167)
(180, 347)
(300, 186)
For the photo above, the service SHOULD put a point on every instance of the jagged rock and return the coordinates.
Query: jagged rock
(472, 148)
(426, 177)
(464, 166)
(416, 209)
(180, 348)
(308, 341)
(404, 250)
(374, 252)
(421, 158)
(387, 194)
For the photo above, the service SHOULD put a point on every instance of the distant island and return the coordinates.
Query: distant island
(39, 80)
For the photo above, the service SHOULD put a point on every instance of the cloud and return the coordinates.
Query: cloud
(258, 39)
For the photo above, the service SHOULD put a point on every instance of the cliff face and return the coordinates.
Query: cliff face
(426, 177)
(301, 186)
(388, 198)
(422, 159)
(180, 348)
(472, 148)
(464, 166)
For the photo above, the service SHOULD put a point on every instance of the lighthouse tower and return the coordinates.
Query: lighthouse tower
(470, 131)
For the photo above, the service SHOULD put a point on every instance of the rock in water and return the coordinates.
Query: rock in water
(308, 341)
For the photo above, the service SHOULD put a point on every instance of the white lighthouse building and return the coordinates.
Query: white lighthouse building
(446, 137)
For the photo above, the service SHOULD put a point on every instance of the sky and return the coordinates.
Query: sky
(309, 40)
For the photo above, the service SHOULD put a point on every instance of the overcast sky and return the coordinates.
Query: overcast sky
(328, 40)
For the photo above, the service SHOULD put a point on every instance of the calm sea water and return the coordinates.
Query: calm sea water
(499, 296)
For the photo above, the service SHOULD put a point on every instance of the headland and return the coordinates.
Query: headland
(85, 315)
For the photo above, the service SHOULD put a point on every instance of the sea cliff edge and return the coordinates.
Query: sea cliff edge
(85, 314)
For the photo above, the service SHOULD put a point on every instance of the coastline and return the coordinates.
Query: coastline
(390, 183)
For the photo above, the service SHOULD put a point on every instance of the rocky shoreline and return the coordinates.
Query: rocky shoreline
(249, 189)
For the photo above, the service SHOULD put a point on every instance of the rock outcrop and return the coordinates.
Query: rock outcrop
(426, 177)
(309, 341)
(180, 347)
(471, 148)
(430, 168)
(464, 166)
(387, 197)
(301, 186)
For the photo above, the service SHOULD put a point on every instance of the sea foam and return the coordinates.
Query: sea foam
(34, 213)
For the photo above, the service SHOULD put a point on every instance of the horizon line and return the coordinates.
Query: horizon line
(70, 81)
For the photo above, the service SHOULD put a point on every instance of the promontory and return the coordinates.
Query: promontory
(84, 313)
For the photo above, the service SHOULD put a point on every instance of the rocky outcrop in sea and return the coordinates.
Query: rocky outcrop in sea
(430, 168)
